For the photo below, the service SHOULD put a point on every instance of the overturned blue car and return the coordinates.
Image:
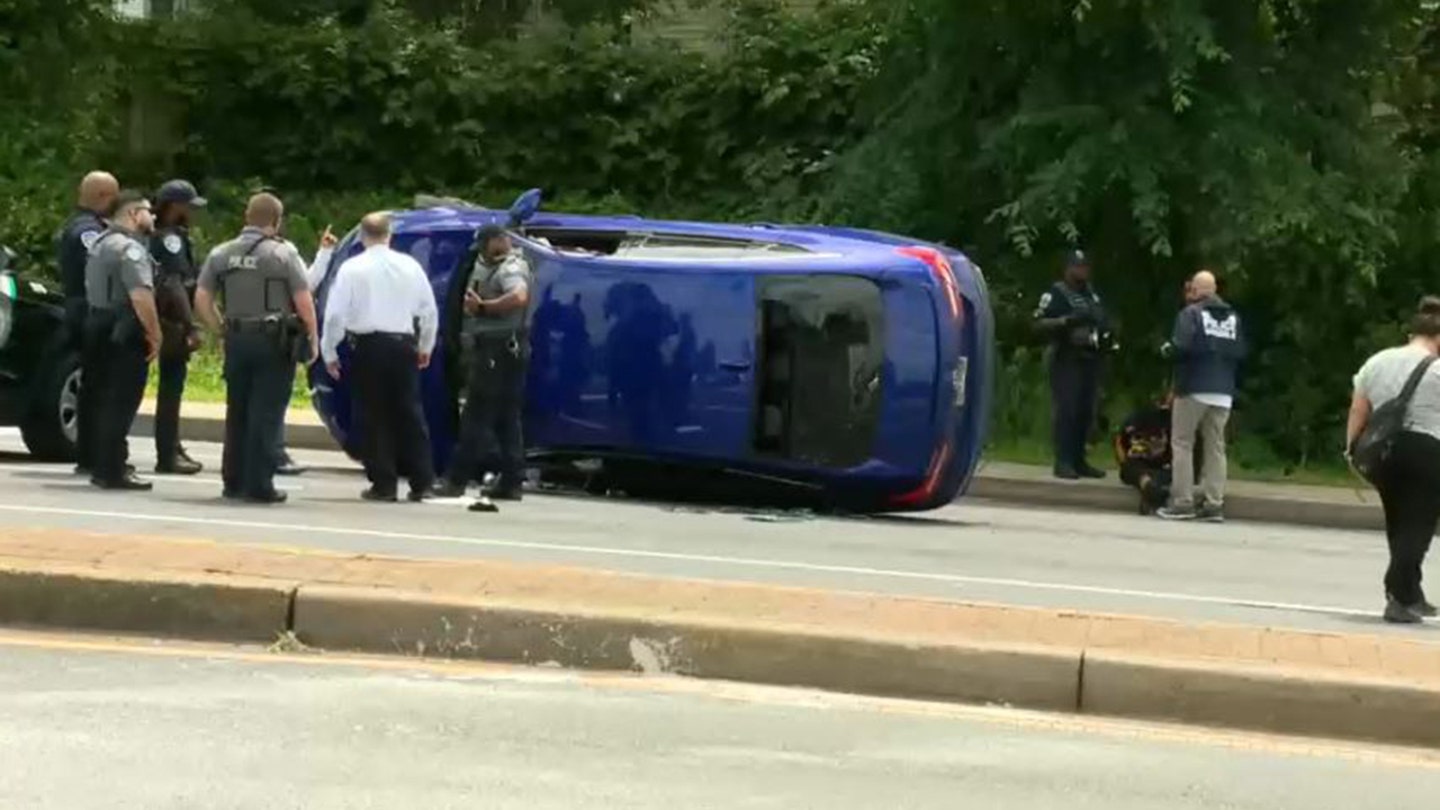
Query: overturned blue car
(842, 368)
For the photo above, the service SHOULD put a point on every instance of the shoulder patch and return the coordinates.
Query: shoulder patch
(1045, 300)
(89, 238)
(173, 243)
(134, 252)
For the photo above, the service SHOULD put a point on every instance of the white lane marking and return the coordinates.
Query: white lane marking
(746, 562)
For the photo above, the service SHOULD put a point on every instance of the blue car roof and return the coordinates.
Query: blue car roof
(834, 248)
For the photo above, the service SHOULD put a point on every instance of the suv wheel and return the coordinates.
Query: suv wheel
(51, 431)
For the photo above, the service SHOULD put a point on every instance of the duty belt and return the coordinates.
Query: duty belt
(254, 326)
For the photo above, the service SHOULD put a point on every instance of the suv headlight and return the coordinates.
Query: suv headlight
(7, 307)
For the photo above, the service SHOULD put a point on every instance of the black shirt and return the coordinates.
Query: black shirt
(175, 274)
(1088, 333)
(73, 250)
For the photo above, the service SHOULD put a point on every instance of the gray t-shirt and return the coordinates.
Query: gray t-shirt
(118, 264)
(490, 281)
(1383, 377)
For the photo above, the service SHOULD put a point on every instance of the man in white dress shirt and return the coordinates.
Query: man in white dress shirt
(381, 302)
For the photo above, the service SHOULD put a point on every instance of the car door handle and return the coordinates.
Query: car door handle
(737, 366)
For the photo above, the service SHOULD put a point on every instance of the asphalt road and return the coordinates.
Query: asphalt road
(132, 724)
(1273, 575)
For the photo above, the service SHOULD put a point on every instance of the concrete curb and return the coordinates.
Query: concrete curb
(1061, 678)
(365, 620)
(1294, 702)
(210, 429)
(1114, 498)
(211, 608)
(1087, 495)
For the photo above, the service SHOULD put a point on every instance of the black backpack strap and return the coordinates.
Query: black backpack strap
(1408, 392)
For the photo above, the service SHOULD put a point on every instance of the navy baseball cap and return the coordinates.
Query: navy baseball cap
(180, 191)
(1077, 258)
(488, 232)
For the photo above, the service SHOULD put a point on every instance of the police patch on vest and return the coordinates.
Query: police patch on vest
(89, 238)
(1225, 329)
(1044, 305)
(172, 243)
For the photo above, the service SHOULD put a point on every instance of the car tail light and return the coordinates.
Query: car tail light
(922, 494)
(943, 272)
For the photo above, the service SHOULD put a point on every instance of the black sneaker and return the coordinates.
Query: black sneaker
(1086, 471)
(127, 483)
(231, 494)
(1066, 473)
(420, 494)
(379, 496)
(1396, 613)
(1424, 609)
(448, 489)
(1176, 513)
(1210, 514)
(274, 496)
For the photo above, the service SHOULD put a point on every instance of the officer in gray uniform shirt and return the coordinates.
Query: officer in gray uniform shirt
(496, 344)
(122, 334)
(268, 323)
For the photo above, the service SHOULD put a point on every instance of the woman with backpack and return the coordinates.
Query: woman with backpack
(1393, 439)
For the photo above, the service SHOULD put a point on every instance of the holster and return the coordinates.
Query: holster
(127, 331)
(294, 342)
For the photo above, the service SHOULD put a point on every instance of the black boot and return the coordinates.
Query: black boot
(179, 464)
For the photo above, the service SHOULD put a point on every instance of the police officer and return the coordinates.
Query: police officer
(174, 293)
(97, 194)
(268, 324)
(122, 336)
(496, 345)
(1073, 319)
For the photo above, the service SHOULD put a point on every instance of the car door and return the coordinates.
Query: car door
(643, 359)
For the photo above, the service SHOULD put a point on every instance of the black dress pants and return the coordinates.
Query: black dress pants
(93, 345)
(393, 433)
(258, 379)
(1074, 391)
(114, 388)
(1410, 491)
(491, 435)
(174, 367)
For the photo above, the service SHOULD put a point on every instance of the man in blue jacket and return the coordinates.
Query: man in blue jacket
(1208, 345)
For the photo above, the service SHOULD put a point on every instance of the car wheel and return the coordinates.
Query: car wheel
(51, 431)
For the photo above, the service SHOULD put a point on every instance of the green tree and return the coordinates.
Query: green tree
(1249, 135)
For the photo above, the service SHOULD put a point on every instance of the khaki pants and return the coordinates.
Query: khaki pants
(1188, 418)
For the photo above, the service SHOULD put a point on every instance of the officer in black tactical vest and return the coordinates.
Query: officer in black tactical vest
(268, 323)
(174, 295)
(96, 200)
(122, 335)
(1073, 319)
(496, 345)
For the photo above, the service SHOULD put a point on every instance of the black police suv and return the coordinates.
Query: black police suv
(39, 369)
